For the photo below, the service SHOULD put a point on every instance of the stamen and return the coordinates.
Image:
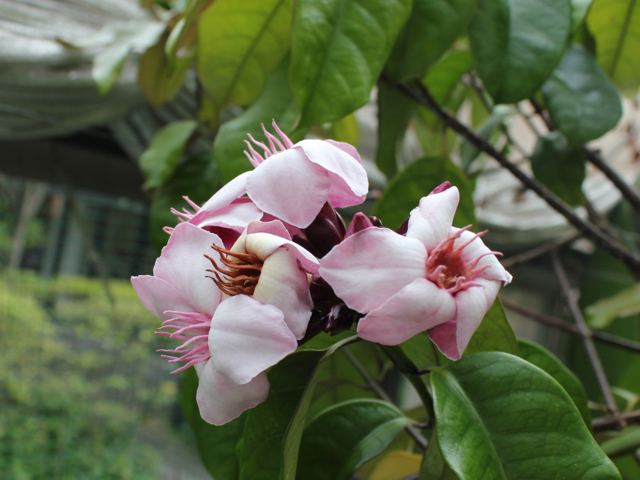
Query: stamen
(284, 138)
(255, 158)
(273, 138)
(267, 152)
(241, 275)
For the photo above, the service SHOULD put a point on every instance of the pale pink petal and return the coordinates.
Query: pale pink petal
(414, 309)
(368, 268)
(431, 220)
(158, 296)
(236, 216)
(264, 244)
(477, 249)
(274, 227)
(289, 187)
(349, 182)
(347, 148)
(220, 400)
(183, 265)
(285, 286)
(236, 188)
(472, 304)
(247, 337)
(292, 229)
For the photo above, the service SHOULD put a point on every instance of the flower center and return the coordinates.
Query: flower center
(241, 274)
(448, 269)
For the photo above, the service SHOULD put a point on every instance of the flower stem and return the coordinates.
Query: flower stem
(411, 372)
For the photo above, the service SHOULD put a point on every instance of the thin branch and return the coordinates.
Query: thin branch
(585, 334)
(375, 386)
(539, 250)
(420, 94)
(614, 423)
(594, 156)
(570, 327)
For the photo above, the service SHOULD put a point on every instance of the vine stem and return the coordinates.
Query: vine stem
(421, 95)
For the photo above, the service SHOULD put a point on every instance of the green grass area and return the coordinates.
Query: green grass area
(79, 377)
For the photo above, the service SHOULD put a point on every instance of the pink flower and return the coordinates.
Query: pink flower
(293, 182)
(230, 339)
(436, 277)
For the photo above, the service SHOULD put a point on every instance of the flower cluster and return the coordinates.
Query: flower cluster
(267, 263)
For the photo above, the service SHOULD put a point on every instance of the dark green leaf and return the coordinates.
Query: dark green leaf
(197, 178)
(269, 446)
(418, 180)
(217, 445)
(560, 167)
(239, 43)
(500, 417)
(582, 101)
(431, 29)
(627, 441)
(547, 361)
(445, 75)
(338, 50)
(615, 24)
(275, 102)
(349, 434)
(433, 465)
(468, 151)
(517, 44)
(623, 304)
(579, 9)
(394, 112)
(160, 159)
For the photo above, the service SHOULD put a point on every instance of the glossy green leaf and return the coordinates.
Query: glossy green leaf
(582, 101)
(627, 441)
(338, 50)
(239, 43)
(348, 433)
(547, 361)
(615, 25)
(216, 444)
(431, 29)
(560, 167)
(107, 65)
(394, 112)
(157, 80)
(487, 129)
(160, 159)
(445, 75)
(275, 102)
(416, 181)
(196, 178)
(433, 465)
(623, 304)
(500, 417)
(517, 44)
(269, 446)
(579, 9)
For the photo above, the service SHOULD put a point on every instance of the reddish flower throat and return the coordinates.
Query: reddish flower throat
(241, 274)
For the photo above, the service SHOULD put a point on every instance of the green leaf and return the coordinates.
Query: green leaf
(579, 9)
(160, 159)
(394, 112)
(416, 181)
(431, 29)
(338, 50)
(615, 24)
(627, 441)
(582, 102)
(547, 361)
(269, 446)
(433, 465)
(346, 130)
(500, 417)
(517, 44)
(275, 102)
(468, 151)
(198, 178)
(445, 75)
(108, 64)
(623, 304)
(158, 81)
(560, 167)
(217, 445)
(349, 433)
(239, 43)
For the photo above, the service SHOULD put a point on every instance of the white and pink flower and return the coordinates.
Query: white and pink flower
(231, 337)
(436, 277)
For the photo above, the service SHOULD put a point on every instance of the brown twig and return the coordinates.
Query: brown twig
(570, 327)
(379, 391)
(585, 334)
(614, 423)
(538, 251)
(594, 156)
(420, 94)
